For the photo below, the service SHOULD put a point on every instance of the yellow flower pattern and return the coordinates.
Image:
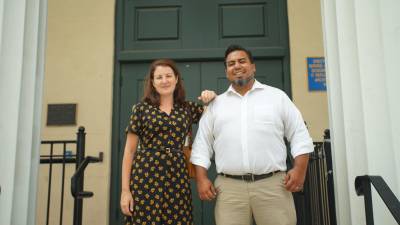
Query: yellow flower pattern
(159, 181)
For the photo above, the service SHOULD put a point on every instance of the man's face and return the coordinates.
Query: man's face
(238, 66)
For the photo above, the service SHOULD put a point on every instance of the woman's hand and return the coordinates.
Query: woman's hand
(207, 96)
(126, 203)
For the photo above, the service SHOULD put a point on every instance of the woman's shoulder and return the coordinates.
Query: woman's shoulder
(140, 106)
(191, 103)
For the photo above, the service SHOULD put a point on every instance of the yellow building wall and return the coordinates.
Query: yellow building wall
(79, 69)
(305, 40)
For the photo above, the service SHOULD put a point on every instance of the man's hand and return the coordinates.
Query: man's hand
(126, 203)
(294, 179)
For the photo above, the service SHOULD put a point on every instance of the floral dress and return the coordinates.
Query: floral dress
(159, 182)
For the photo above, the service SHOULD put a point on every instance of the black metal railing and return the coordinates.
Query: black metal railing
(315, 205)
(51, 159)
(77, 180)
(363, 187)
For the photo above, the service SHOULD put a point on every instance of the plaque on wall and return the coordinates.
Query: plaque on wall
(61, 114)
(316, 74)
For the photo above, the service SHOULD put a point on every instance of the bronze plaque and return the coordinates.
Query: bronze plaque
(61, 114)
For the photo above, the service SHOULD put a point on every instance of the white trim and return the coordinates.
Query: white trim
(362, 100)
(334, 91)
(21, 67)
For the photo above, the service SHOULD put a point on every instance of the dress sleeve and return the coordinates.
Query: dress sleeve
(195, 111)
(135, 120)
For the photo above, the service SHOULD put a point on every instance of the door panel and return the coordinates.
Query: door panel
(195, 25)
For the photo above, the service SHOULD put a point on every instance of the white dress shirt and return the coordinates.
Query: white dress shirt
(246, 132)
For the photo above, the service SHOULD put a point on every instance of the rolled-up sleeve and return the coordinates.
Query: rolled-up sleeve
(202, 149)
(295, 129)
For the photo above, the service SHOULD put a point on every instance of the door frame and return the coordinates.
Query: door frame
(200, 55)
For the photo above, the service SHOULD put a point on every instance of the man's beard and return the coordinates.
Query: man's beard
(243, 81)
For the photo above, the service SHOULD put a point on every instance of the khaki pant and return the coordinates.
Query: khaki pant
(266, 200)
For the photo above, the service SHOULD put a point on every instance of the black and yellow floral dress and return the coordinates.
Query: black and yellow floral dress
(159, 183)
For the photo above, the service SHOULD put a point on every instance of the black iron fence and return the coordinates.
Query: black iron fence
(52, 159)
(315, 205)
(77, 180)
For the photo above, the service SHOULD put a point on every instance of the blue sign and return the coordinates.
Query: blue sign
(316, 74)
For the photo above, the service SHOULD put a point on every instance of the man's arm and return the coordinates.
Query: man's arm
(300, 144)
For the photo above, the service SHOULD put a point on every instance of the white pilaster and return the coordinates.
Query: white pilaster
(360, 70)
(22, 41)
(390, 26)
(336, 115)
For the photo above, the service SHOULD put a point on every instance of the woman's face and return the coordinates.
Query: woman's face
(164, 80)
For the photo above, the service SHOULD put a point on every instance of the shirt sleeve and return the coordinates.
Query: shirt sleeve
(202, 149)
(196, 110)
(295, 129)
(135, 120)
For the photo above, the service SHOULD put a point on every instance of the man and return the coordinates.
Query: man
(245, 128)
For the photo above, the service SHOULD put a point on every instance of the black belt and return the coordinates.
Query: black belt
(250, 177)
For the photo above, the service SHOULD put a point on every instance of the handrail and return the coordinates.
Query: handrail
(363, 187)
(53, 159)
(79, 173)
(58, 142)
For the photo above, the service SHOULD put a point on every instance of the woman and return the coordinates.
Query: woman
(155, 181)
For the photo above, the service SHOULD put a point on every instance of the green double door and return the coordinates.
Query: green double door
(197, 76)
(195, 33)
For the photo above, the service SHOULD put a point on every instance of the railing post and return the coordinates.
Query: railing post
(363, 187)
(80, 156)
(330, 182)
(369, 212)
(77, 180)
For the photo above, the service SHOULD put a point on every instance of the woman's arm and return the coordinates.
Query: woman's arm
(129, 151)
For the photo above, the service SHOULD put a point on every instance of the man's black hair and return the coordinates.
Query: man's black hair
(232, 48)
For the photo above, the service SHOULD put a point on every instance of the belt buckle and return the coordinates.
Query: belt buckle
(168, 150)
(248, 177)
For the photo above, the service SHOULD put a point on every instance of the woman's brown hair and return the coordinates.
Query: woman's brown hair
(151, 96)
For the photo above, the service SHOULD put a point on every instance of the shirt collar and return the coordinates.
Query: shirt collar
(256, 85)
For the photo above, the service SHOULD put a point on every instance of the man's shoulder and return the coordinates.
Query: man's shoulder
(271, 90)
(224, 94)
(218, 101)
(223, 97)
